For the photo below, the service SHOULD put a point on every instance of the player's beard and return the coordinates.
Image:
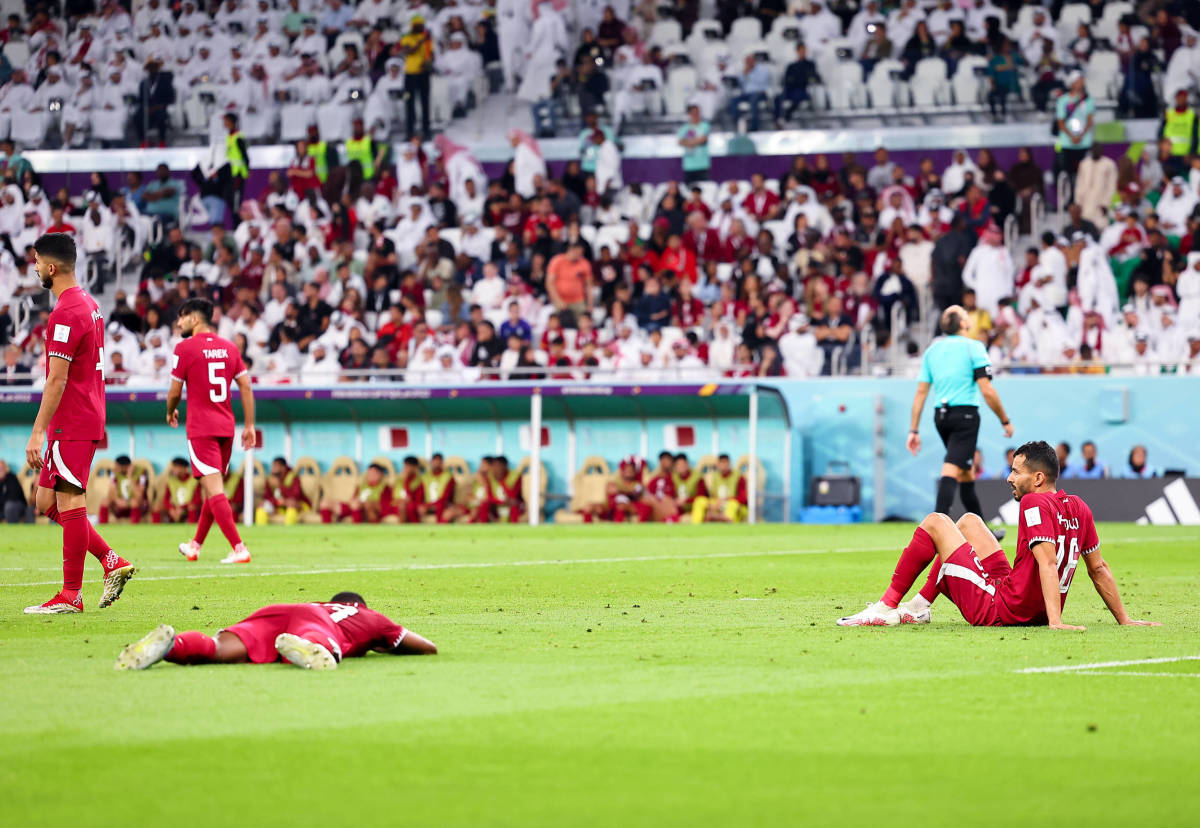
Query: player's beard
(184, 333)
(47, 281)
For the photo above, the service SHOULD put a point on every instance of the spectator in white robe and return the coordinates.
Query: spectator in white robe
(545, 43)
(1094, 278)
(415, 219)
(77, 113)
(409, 173)
(1187, 288)
(641, 91)
(152, 11)
(351, 89)
(1175, 207)
(1183, 69)
(802, 356)
(381, 110)
(608, 163)
(818, 27)
(15, 100)
(529, 168)
(459, 165)
(989, 270)
(460, 66)
(513, 19)
(954, 177)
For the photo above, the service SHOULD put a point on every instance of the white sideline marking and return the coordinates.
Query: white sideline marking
(1099, 665)
(489, 564)
(1130, 673)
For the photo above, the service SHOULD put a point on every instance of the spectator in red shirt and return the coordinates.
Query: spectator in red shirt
(679, 259)
(761, 203)
(57, 222)
(302, 171)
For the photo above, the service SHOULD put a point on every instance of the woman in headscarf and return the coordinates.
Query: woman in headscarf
(988, 166)
(98, 184)
(12, 210)
(528, 164)
(954, 178)
(459, 165)
(895, 202)
(1026, 178)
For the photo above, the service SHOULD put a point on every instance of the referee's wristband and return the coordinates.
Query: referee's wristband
(914, 431)
(1005, 422)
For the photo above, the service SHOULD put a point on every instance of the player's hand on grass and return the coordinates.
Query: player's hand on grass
(1132, 622)
(173, 419)
(249, 437)
(35, 448)
(1061, 626)
(914, 443)
(1008, 430)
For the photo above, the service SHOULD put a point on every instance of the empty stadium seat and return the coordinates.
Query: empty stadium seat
(882, 85)
(666, 32)
(745, 30)
(613, 236)
(706, 31)
(680, 85)
(1103, 75)
(845, 85)
(928, 86)
(1069, 18)
(967, 85)
(1106, 26)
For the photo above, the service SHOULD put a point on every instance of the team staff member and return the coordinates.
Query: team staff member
(237, 157)
(959, 372)
(1179, 126)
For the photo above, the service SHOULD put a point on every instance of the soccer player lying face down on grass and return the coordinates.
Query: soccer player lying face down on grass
(312, 636)
(1055, 529)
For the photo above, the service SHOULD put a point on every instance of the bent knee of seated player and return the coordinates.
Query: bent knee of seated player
(978, 535)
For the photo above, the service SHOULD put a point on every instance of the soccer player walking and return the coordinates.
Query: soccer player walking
(959, 372)
(70, 424)
(1055, 531)
(209, 366)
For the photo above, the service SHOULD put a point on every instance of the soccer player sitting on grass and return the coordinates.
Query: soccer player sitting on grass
(371, 503)
(410, 491)
(437, 496)
(126, 493)
(283, 494)
(312, 636)
(1054, 530)
(181, 498)
(727, 501)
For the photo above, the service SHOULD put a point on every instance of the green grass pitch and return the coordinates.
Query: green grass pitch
(598, 676)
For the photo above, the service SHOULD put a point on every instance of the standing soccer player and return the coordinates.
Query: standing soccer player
(209, 366)
(71, 418)
(959, 372)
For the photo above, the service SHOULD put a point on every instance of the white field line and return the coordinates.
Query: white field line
(242, 573)
(1101, 665)
(502, 564)
(1128, 673)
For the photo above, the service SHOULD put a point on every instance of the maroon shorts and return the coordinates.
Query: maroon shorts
(69, 461)
(971, 584)
(258, 632)
(210, 455)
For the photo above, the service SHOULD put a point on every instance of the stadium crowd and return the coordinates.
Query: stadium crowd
(370, 264)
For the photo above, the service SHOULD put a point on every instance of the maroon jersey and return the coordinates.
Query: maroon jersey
(207, 365)
(75, 332)
(360, 629)
(1046, 517)
(662, 486)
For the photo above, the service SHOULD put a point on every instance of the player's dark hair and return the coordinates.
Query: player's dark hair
(501, 459)
(179, 461)
(1041, 456)
(723, 457)
(681, 456)
(665, 454)
(1066, 446)
(411, 461)
(57, 246)
(951, 322)
(378, 467)
(198, 305)
(348, 598)
(123, 460)
(279, 460)
(437, 455)
(1084, 445)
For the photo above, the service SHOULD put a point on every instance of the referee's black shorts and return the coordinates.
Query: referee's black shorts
(958, 426)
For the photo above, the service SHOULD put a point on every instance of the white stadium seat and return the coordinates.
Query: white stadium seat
(787, 29)
(611, 236)
(881, 85)
(1103, 75)
(1070, 17)
(666, 32)
(968, 88)
(706, 31)
(745, 30)
(845, 84)
(681, 83)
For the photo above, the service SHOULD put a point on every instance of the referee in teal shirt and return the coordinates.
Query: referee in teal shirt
(959, 372)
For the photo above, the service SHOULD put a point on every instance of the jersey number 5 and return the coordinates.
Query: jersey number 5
(220, 389)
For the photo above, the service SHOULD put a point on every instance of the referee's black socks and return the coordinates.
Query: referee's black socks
(970, 499)
(945, 495)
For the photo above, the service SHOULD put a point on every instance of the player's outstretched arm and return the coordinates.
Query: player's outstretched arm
(56, 384)
(1047, 562)
(413, 644)
(1106, 585)
(914, 437)
(992, 397)
(249, 438)
(174, 396)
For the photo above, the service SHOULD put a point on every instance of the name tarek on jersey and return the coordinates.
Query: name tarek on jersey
(216, 353)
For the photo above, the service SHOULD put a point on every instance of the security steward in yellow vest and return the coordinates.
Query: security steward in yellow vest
(363, 157)
(1179, 126)
(237, 158)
